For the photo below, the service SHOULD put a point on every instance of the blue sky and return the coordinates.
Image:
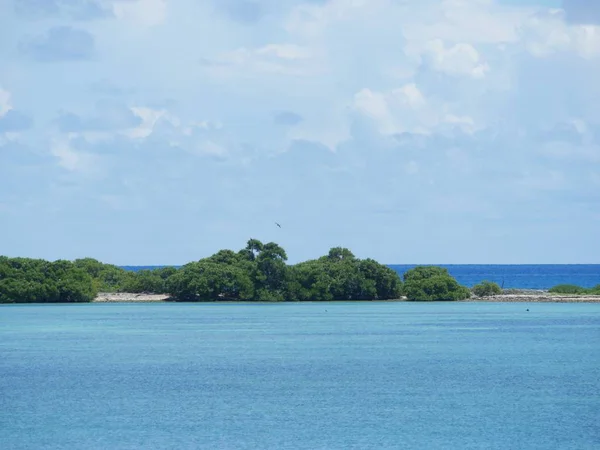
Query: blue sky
(159, 131)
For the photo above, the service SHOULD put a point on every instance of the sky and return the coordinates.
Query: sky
(143, 132)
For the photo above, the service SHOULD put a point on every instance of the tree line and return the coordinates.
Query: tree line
(258, 272)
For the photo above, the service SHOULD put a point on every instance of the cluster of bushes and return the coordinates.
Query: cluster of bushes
(110, 278)
(574, 290)
(431, 283)
(486, 289)
(258, 272)
(24, 280)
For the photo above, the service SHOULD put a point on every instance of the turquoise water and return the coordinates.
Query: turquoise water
(300, 376)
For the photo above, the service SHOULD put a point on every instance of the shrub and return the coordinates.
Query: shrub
(423, 272)
(209, 281)
(567, 289)
(430, 283)
(25, 280)
(595, 290)
(486, 289)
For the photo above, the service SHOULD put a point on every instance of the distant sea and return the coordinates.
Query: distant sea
(517, 276)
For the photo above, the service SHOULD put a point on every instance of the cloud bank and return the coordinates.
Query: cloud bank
(441, 131)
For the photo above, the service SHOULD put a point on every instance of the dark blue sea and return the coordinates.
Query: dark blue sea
(373, 375)
(518, 276)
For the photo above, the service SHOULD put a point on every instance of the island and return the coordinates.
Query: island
(259, 272)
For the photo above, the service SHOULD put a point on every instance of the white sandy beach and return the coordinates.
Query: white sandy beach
(125, 297)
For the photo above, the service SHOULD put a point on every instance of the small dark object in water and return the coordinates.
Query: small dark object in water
(527, 309)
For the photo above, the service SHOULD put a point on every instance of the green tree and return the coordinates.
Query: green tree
(24, 280)
(309, 282)
(595, 290)
(72, 284)
(388, 284)
(271, 274)
(340, 254)
(107, 277)
(424, 272)
(486, 289)
(204, 280)
(229, 257)
(339, 275)
(257, 272)
(252, 250)
(431, 283)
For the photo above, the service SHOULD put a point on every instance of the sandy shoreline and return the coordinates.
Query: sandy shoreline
(540, 297)
(125, 297)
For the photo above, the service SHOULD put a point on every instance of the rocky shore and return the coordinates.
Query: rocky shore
(518, 296)
(538, 297)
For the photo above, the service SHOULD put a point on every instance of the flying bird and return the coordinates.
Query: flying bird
(277, 224)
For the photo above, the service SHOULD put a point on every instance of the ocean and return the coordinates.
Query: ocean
(374, 375)
(517, 276)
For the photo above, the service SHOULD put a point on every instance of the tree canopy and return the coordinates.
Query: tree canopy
(257, 272)
(25, 280)
(486, 289)
(432, 283)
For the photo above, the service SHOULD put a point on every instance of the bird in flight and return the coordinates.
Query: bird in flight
(277, 224)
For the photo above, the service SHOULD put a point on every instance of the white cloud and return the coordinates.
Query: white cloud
(71, 159)
(471, 21)
(5, 105)
(546, 34)
(276, 59)
(458, 59)
(285, 51)
(436, 96)
(409, 95)
(311, 20)
(142, 12)
(149, 118)
(405, 109)
(375, 105)
(464, 123)
(209, 148)
(200, 138)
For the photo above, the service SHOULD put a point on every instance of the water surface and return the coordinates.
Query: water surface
(300, 376)
(518, 276)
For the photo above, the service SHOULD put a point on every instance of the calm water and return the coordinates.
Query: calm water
(520, 276)
(300, 376)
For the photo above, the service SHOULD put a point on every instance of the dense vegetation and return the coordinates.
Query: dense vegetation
(431, 283)
(258, 272)
(24, 280)
(572, 289)
(110, 278)
(486, 289)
